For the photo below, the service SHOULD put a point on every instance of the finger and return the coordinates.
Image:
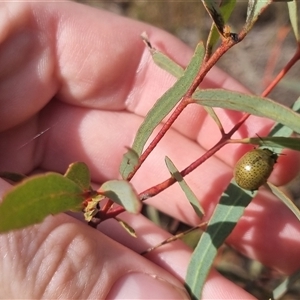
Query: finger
(269, 232)
(199, 178)
(84, 135)
(78, 70)
(208, 181)
(77, 81)
(173, 257)
(97, 69)
(58, 253)
(63, 258)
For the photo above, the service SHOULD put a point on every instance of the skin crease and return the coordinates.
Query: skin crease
(86, 74)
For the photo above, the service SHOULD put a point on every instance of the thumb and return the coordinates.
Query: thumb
(64, 258)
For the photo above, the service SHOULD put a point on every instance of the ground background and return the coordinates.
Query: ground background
(270, 42)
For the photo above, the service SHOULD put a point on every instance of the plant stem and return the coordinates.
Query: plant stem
(187, 99)
(225, 46)
(273, 84)
(283, 72)
(166, 126)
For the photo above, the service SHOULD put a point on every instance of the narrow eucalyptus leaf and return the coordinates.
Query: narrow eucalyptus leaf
(225, 216)
(296, 105)
(162, 60)
(177, 71)
(168, 101)
(165, 63)
(254, 10)
(127, 227)
(186, 189)
(279, 136)
(164, 105)
(262, 107)
(293, 13)
(285, 199)
(277, 142)
(232, 206)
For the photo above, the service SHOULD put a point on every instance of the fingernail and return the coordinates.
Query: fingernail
(145, 286)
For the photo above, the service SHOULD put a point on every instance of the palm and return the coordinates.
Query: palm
(92, 91)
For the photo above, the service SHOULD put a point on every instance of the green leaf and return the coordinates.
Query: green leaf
(129, 161)
(280, 130)
(186, 189)
(164, 105)
(37, 197)
(279, 136)
(277, 142)
(255, 9)
(192, 238)
(122, 193)
(296, 105)
(228, 212)
(127, 227)
(177, 71)
(80, 174)
(167, 64)
(226, 9)
(286, 200)
(162, 60)
(293, 13)
(225, 216)
(262, 107)
(168, 101)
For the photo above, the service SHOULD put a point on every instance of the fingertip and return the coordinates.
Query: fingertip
(268, 225)
(286, 168)
(219, 287)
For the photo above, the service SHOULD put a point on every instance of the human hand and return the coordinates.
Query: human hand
(87, 76)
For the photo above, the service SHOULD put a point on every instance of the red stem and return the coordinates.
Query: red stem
(225, 46)
(283, 72)
(166, 126)
(185, 101)
(170, 181)
(273, 84)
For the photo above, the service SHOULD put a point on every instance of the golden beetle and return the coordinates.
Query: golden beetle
(254, 168)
